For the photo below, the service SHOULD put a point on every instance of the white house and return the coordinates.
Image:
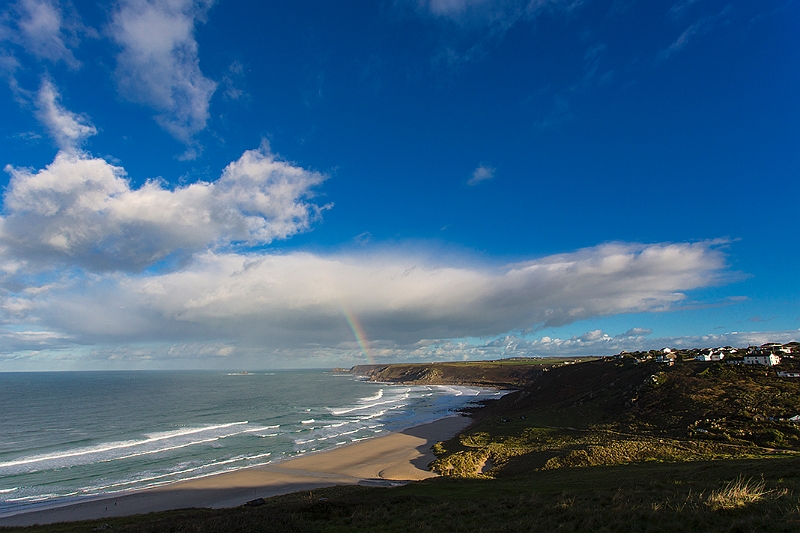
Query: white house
(710, 355)
(762, 359)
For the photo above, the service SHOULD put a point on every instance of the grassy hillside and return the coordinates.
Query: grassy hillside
(504, 373)
(618, 411)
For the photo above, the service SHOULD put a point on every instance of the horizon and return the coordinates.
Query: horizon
(201, 185)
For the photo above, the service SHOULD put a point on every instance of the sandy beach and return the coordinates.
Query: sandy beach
(392, 459)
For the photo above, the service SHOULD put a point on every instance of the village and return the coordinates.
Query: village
(786, 357)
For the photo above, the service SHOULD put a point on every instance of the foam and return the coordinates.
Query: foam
(89, 454)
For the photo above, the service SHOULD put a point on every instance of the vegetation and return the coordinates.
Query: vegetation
(710, 496)
(514, 373)
(620, 411)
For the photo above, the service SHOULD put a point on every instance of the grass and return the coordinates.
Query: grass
(741, 492)
(646, 497)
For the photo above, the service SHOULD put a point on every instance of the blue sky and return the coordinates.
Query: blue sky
(218, 184)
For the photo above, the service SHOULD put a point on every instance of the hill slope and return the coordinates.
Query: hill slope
(513, 373)
(617, 411)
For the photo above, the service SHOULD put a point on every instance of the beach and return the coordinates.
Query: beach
(389, 460)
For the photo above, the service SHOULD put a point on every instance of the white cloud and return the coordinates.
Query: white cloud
(82, 211)
(296, 300)
(699, 28)
(43, 30)
(67, 129)
(496, 14)
(158, 64)
(600, 343)
(482, 173)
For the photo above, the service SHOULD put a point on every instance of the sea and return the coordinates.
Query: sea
(70, 436)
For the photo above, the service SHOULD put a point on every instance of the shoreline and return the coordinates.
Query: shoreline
(388, 460)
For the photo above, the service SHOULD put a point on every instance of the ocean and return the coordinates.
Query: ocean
(68, 436)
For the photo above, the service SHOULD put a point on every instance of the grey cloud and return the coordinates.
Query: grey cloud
(297, 299)
(635, 332)
(158, 64)
(236, 354)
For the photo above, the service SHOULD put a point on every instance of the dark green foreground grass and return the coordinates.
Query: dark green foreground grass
(648, 497)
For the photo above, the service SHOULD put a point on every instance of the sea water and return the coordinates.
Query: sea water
(67, 436)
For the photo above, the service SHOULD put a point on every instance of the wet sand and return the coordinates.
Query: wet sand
(390, 460)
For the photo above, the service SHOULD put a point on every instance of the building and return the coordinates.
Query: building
(666, 358)
(710, 355)
(756, 358)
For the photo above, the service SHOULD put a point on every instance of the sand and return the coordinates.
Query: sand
(394, 459)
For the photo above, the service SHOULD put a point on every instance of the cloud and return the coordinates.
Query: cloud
(67, 129)
(295, 300)
(363, 238)
(44, 31)
(599, 343)
(158, 64)
(699, 28)
(233, 80)
(81, 211)
(498, 15)
(635, 332)
(482, 173)
(478, 22)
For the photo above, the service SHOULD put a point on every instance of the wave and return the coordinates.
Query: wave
(115, 450)
(186, 444)
(340, 412)
(377, 396)
(178, 472)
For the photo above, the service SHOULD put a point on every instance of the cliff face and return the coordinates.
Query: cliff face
(484, 374)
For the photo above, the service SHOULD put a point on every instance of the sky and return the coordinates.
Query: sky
(208, 184)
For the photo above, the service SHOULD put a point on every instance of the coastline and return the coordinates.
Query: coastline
(388, 460)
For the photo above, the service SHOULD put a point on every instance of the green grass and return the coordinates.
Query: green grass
(649, 497)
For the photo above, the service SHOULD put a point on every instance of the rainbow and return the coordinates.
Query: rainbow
(358, 331)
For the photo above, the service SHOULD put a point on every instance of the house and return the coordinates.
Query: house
(666, 358)
(757, 358)
(707, 355)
